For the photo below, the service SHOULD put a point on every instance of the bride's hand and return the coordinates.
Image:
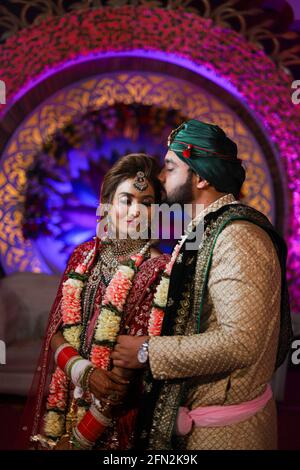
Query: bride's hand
(124, 373)
(108, 385)
(64, 444)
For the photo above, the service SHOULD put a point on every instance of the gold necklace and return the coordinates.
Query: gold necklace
(114, 251)
(105, 267)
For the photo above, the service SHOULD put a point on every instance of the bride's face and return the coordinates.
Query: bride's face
(131, 209)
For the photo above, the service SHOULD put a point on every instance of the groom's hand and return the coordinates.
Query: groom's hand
(126, 350)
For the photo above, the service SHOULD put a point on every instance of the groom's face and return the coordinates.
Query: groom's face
(177, 180)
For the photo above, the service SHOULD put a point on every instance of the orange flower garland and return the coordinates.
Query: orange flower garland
(161, 296)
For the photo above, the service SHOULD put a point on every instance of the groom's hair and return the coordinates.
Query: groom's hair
(126, 168)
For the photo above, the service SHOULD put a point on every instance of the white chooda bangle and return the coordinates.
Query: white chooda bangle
(78, 369)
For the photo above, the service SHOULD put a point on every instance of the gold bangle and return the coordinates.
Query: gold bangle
(85, 381)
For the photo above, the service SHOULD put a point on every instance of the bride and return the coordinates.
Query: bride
(78, 399)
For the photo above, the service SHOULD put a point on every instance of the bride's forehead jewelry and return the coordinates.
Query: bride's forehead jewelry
(140, 182)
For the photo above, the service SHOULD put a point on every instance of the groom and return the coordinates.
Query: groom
(227, 324)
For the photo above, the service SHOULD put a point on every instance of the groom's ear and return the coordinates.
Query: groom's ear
(201, 183)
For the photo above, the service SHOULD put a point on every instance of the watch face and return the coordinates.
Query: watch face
(142, 356)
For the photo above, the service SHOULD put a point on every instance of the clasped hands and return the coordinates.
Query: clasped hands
(113, 385)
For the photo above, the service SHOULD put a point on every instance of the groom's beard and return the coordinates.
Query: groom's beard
(183, 194)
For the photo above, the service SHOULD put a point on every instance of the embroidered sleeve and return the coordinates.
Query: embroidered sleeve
(244, 294)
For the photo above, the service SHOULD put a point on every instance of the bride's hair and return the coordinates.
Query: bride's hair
(127, 168)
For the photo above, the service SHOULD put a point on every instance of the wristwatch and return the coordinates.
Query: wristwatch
(143, 352)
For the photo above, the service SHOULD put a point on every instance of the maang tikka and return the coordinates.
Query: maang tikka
(140, 182)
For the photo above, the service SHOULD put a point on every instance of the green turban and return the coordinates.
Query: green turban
(210, 153)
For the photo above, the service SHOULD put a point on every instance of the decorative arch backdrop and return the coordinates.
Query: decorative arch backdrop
(222, 78)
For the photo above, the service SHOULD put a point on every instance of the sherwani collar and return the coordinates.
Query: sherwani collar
(213, 207)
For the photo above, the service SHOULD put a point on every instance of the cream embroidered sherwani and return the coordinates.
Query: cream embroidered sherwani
(233, 357)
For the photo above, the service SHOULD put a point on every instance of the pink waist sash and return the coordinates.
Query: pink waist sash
(214, 416)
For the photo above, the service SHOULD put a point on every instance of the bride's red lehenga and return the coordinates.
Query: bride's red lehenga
(134, 322)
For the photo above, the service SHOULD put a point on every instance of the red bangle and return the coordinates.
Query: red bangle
(65, 355)
(90, 428)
